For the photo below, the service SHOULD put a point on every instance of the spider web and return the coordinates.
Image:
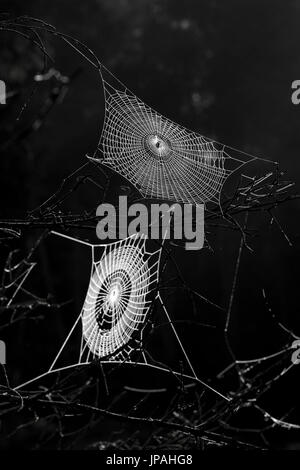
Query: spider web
(124, 285)
(116, 305)
(256, 376)
(161, 158)
(117, 301)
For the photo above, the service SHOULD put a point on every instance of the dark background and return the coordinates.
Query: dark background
(221, 68)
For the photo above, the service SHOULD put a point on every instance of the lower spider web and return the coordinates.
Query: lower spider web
(116, 305)
(123, 286)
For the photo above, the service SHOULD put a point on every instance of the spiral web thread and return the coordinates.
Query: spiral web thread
(117, 304)
(118, 300)
(162, 159)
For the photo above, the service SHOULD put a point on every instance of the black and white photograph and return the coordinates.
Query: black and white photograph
(149, 228)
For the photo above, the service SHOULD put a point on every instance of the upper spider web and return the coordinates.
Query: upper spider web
(162, 159)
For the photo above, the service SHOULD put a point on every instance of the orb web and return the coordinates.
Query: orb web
(124, 287)
(160, 158)
(116, 304)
